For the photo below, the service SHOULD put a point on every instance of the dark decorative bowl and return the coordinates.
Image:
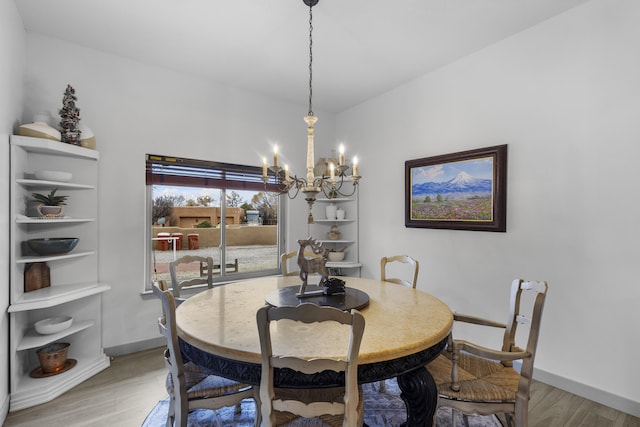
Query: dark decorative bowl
(52, 246)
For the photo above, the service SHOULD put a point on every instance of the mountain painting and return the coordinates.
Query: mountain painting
(456, 191)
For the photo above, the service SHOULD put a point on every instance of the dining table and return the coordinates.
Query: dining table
(405, 329)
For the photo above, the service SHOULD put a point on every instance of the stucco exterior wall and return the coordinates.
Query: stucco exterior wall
(237, 235)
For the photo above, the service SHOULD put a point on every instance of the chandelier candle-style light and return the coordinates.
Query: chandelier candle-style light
(312, 185)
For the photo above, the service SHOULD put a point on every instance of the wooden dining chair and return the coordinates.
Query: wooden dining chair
(338, 406)
(190, 387)
(473, 379)
(284, 259)
(412, 267)
(197, 263)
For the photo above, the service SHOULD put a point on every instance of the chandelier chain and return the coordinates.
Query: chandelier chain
(310, 58)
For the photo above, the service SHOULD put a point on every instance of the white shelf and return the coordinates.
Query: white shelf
(38, 220)
(37, 183)
(55, 295)
(77, 254)
(331, 221)
(346, 242)
(47, 146)
(32, 339)
(34, 391)
(336, 200)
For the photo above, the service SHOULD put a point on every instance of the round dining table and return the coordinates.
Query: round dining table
(405, 329)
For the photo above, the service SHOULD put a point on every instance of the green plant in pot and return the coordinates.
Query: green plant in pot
(51, 205)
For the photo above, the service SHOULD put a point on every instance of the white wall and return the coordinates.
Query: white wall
(565, 96)
(12, 60)
(136, 109)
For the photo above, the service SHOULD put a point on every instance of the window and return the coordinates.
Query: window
(221, 210)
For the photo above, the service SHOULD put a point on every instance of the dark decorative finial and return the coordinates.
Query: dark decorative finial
(70, 117)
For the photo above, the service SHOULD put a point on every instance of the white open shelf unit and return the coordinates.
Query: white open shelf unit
(74, 290)
(348, 228)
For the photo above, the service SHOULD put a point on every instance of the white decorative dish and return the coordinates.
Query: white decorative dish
(53, 176)
(336, 256)
(53, 325)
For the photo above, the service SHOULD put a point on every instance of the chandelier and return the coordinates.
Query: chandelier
(330, 185)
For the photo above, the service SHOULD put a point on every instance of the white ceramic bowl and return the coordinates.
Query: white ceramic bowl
(336, 256)
(53, 176)
(53, 325)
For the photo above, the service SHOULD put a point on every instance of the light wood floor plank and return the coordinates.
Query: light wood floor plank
(552, 407)
(123, 395)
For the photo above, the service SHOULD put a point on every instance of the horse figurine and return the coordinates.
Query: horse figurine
(312, 265)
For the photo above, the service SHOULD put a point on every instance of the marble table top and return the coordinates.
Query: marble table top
(400, 321)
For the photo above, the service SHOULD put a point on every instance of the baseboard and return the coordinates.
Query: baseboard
(134, 347)
(4, 410)
(588, 392)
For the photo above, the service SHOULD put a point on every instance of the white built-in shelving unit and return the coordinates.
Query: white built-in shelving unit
(75, 290)
(348, 228)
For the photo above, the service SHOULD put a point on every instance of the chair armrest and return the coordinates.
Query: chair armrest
(477, 320)
(488, 353)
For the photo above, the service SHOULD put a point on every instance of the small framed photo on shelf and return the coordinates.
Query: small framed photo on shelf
(458, 191)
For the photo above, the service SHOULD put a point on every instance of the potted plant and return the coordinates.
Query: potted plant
(50, 204)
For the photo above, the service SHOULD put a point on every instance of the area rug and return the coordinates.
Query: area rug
(380, 410)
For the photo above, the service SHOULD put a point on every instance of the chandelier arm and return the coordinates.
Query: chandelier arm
(338, 189)
(295, 194)
(355, 186)
(319, 181)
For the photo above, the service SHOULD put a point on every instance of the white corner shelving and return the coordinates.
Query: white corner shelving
(348, 228)
(74, 286)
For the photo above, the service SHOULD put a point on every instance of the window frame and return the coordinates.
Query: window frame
(217, 179)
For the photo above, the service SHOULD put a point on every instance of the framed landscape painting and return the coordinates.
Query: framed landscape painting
(459, 191)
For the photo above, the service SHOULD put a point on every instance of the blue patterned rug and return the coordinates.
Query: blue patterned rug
(380, 410)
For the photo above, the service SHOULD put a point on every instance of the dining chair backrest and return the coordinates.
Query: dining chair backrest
(411, 264)
(280, 358)
(167, 327)
(284, 260)
(529, 316)
(203, 266)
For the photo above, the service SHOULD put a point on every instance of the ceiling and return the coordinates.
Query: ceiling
(361, 48)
